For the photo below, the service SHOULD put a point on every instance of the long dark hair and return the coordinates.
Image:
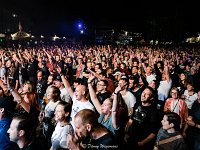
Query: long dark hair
(122, 110)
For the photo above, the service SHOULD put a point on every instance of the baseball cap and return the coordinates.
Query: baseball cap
(117, 73)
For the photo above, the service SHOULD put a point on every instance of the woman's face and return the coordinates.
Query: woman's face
(174, 94)
(60, 114)
(190, 87)
(182, 76)
(8, 64)
(50, 93)
(106, 106)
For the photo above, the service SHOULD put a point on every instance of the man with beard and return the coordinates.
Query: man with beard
(144, 123)
(89, 134)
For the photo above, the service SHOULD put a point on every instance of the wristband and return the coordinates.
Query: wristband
(11, 89)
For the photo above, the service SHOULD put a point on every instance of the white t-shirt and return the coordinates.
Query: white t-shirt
(163, 89)
(2, 72)
(65, 95)
(50, 107)
(77, 106)
(189, 100)
(59, 136)
(130, 101)
(151, 78)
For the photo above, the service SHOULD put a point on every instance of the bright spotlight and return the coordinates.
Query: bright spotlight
(81, 31)
(80, 25)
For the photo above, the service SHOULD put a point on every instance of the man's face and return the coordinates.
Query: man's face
(80, 129)
(39, 76)
(146, 95)
(12, 131)
(100, 86)
(134, 70)
(78, 92)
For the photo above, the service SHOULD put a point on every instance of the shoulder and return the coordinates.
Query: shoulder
(106, 140)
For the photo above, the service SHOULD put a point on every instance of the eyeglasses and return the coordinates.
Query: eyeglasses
(100, 84)
(174, 92)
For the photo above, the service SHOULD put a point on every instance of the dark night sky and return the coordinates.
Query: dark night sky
(124, 13)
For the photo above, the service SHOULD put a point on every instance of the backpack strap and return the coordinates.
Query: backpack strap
(170, 139)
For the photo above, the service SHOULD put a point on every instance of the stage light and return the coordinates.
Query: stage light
(79, 26)
(81, 31)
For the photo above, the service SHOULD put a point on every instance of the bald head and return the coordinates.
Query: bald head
(81, 87)
(87, 116)
(80, 92)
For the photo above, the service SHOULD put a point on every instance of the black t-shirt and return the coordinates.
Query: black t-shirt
(41, 88)
(145, 121)
(103, 143)
(103, 96)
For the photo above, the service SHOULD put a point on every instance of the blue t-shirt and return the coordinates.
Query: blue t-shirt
(107, 123)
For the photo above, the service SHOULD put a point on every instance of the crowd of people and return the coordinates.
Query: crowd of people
(99, 97)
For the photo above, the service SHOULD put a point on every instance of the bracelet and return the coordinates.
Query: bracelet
(61, 75)
(11, 89)
(115, 93)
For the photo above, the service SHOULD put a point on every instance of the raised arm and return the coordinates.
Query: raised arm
(66, 83)
(96, 75)
(48, 55)
(18, 98)
(93, 95)
(166, 71)
(115, 123)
